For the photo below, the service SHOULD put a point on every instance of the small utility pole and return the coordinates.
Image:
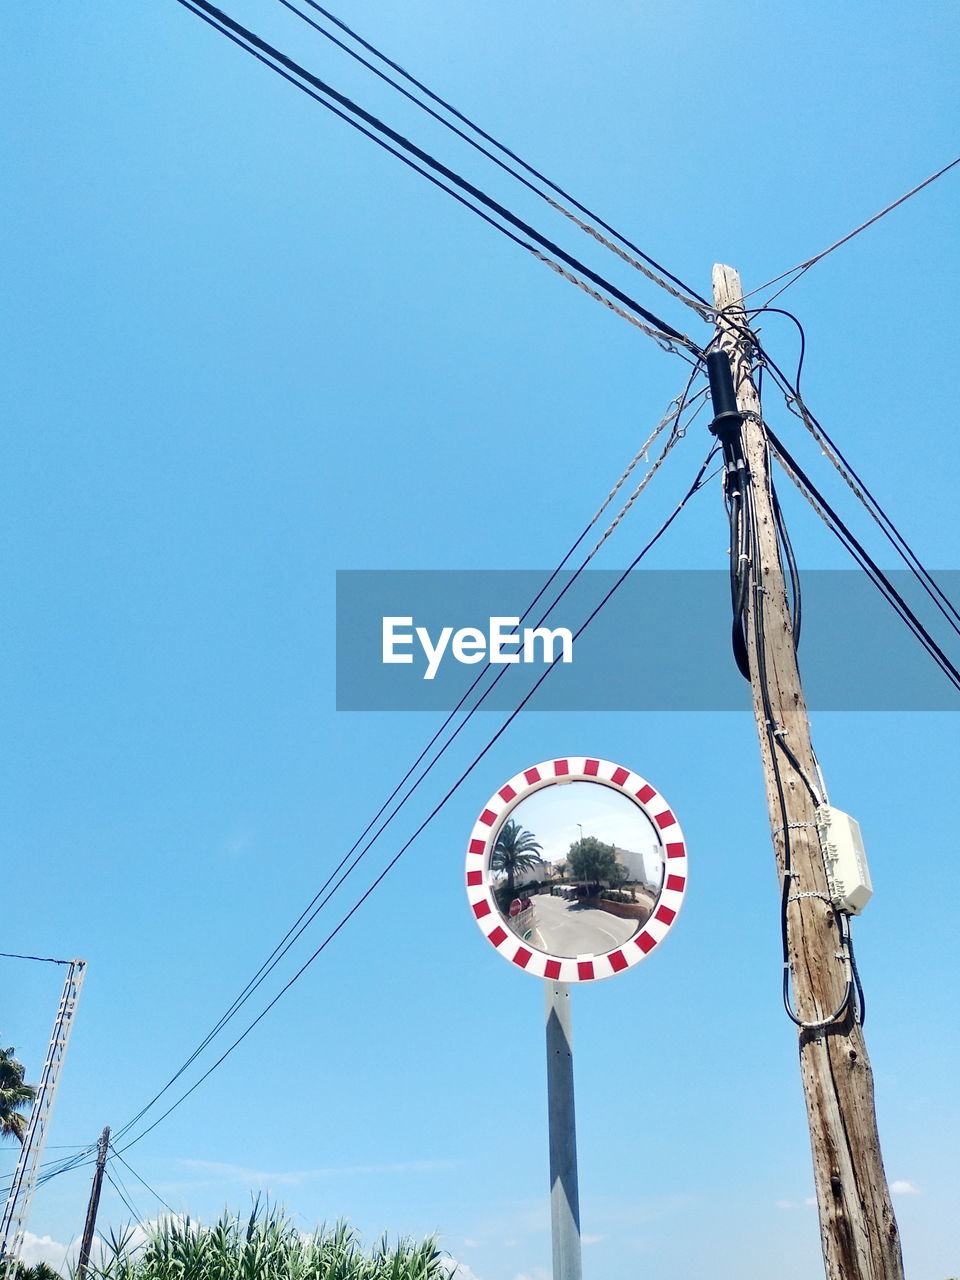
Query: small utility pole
(857, 1225)
(564, 1193)
(90, 1226)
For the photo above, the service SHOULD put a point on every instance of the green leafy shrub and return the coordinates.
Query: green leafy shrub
(264, 1246)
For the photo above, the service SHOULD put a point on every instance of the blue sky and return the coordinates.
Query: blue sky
(244, 349)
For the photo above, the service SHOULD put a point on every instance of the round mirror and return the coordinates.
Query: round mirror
(576, 869)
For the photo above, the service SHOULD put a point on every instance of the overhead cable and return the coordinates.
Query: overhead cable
(682, 292)
(13, 955)
(156, 1194)
(802, 267)
(117, 1184)
(860, 490)
(864, 559)
(354, 114)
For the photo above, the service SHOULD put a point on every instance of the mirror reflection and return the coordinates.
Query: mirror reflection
(576, 869)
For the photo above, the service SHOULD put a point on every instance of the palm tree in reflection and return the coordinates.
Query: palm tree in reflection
(516, 851)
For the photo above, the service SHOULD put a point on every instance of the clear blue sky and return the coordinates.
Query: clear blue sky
(243, 349)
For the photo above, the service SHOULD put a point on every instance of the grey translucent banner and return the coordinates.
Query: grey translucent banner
(660, 643)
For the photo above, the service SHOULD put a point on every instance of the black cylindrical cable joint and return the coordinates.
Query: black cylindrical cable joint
(727, 417)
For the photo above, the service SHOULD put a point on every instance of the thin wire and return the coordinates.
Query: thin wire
(776, 744)
(251, 42)
(689, 296)
(791, 392)
(124, 1196)
(697, 484)
(155, 1194)
(675, 437)
(856, 484)
(803, 267)
(13, 955)
(673, 412)
(860, 554)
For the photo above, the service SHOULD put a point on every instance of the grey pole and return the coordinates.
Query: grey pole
(564, 1195)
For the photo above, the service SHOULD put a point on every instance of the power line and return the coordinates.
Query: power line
(856, 484)
(353, 114)
(695, 486)
(802, 267)
(124, 1195)
(154, 1193)
(688, 296)
(864, 559)
(13, 955)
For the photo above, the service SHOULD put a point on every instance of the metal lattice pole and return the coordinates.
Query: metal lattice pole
(24, 1182)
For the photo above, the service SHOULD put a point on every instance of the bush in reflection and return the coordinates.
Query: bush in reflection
(595, 864)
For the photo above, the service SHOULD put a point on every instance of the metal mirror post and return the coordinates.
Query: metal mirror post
(562, 1122)
(576, 870)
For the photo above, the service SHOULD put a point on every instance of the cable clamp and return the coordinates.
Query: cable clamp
(810, 893)
(793, 826)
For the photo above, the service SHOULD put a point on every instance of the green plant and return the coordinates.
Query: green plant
(39, 1271)
(594, 862)
(515, 851)
(14, 1096)
(263, 1246)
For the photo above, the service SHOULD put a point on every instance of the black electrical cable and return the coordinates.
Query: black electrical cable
(697, 484)
(866, 561)
(143, 1182)
(13, 955)
(776, 744)
(123, 1194)
(447, 106)
(54, 1168)
(783, 537)
(251, 43)
(854, 481)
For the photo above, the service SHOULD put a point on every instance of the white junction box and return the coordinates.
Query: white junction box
(845, 859)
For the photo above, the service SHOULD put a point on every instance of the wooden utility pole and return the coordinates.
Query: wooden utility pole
(91, 1223)
(857, 1225)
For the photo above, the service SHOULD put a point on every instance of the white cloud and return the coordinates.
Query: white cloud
(471, 1244)
(63, 1257)
(459, 1270)
(45, 1249)
(902, 1188)
(591, 1239)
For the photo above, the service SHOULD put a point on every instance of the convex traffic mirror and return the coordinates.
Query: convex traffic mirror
(576, 869)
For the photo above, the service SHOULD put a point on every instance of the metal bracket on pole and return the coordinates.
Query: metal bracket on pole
(564, 1192)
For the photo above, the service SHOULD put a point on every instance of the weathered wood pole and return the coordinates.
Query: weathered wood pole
(857, 1225)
